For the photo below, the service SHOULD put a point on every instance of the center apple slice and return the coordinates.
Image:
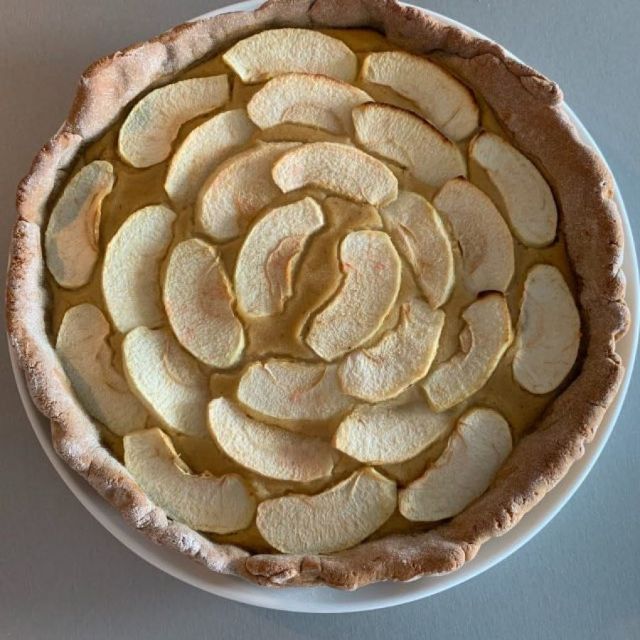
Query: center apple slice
(203, 502)
(401, 357)
(267, 261)
(370, 286)
(199, 304)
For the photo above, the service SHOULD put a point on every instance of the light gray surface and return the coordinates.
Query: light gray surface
(63, 576)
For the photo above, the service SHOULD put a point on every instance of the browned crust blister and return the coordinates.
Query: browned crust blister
(529, 108)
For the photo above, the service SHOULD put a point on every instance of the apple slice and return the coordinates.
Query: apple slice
(277, 51)
(527, 197)
(390, 433)
(445, 101)
(548, 334)
(401, 357)
(202, 150)
(87, 359)
(238, 190)
(485, 241)
(483, 343)
(333, 520)
(419, 234)
(204, 502)
(308, 100)
(338, 168)
(131, 269)
(369, 289)
(268, 450)
(476, 450)
(199, 304)
(71, 238)
(148, 132)
(408, 140)
(167, 380)
(286, 390)
(267, 260)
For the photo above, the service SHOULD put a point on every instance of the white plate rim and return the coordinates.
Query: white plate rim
(381, 595)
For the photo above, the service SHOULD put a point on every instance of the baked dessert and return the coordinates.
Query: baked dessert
(323, 293)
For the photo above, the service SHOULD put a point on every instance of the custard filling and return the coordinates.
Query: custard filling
(314, 267)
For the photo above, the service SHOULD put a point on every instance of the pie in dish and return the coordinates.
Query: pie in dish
(323, 293)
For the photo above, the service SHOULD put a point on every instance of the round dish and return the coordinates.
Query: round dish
(383, 594)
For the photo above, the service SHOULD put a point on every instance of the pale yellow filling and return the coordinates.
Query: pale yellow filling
(317, 278)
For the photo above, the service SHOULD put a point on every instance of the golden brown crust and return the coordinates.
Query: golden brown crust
(528, 106)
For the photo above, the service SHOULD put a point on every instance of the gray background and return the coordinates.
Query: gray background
(63, 576)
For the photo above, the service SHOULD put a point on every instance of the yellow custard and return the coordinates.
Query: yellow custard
(318, 276)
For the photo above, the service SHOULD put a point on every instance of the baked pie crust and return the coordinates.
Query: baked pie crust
(528, 108)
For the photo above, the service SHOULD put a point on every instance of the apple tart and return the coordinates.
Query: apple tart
(323, 293)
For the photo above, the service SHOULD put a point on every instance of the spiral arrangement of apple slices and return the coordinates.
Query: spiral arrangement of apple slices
(380, 148)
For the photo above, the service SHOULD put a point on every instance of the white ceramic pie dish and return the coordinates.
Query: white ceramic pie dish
(323, 599)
